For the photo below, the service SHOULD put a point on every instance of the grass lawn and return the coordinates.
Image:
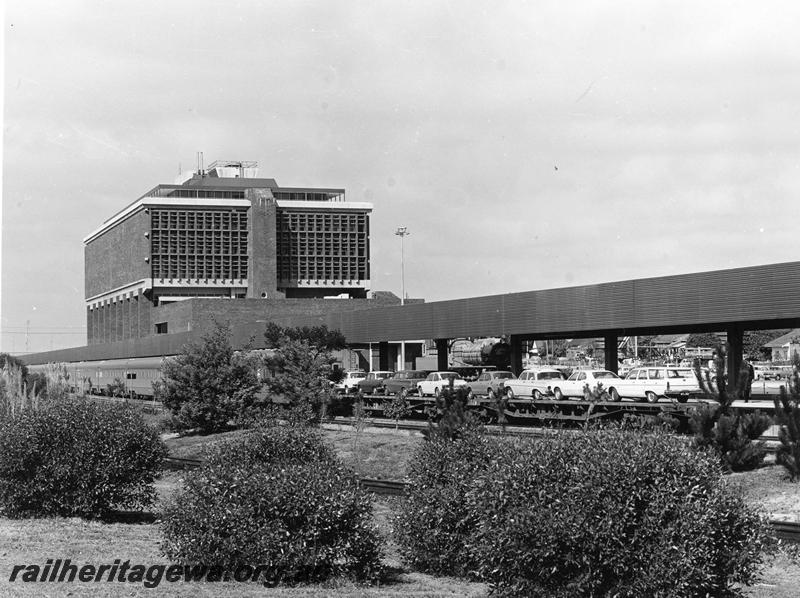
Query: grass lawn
(372, 452)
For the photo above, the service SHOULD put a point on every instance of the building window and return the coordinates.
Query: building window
(161, 328)
(198, 244)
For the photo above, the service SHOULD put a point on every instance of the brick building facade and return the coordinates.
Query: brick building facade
(224, 234)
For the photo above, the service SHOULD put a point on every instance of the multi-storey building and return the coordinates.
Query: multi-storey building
(222, 233)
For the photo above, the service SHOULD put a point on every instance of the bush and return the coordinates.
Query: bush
(734, 436)
(433, 527)
(787, 416)
(611, 513)
(77, 458)
(297, 371)
(277, 498)
(209, 385)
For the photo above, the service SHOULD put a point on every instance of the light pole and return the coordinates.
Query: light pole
(401, 232)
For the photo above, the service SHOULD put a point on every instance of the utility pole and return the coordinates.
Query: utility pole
(401, 232)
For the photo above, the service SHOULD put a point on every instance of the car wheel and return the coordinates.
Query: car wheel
(470, 394)
(491, 394)
(557, 394)
(651, 397)
(537, 395)
(614, 394)
(510, 393)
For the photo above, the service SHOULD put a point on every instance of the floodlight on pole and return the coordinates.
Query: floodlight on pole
(401, 232)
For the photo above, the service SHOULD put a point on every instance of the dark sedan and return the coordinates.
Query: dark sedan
(403, 382)
(372, 381)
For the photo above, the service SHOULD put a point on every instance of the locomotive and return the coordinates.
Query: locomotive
(494, 352)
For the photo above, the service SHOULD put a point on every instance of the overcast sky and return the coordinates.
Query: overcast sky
(525, 145)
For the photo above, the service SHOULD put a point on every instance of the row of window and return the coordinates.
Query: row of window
(198, 219)
(199, 266)
(322, 222)
(322, 268)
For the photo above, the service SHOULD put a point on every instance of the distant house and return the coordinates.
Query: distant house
(784, 347)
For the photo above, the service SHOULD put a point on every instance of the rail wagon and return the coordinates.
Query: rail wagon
(93, 377)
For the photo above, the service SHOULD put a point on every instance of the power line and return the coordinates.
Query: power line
(47, 328)
(23, 332)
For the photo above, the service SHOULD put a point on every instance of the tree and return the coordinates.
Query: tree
(754, 341)
(209, 384)
(787, 416)
(298, 368)
(734, 436)
(317, 336)
(703, 339)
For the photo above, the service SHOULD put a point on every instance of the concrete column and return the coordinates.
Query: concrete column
(118, 318)
(383, 355)
(262, 245)
(106, 321)
(612, 354)
(441, 354)
(135, 300)
(145, 310)
(126, 317)
(516, 354)
(735, 351)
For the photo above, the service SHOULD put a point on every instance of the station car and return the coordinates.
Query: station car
(373, 381)
(438, 381)
(402, 383)
(534, 383)
(653, 383)
(575, 385)
(490, 383)
(349, 382)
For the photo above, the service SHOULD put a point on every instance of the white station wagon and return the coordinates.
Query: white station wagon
(653, 383)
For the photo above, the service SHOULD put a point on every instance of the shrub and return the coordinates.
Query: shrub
(15, 395)
(278, 498)
(433, 527)
(449, 418)
(77, 458)
(787, 416)
(208, 386)
(297, 372)
(734, 436)
(116, 388)
(397, 408)
(610, 513)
